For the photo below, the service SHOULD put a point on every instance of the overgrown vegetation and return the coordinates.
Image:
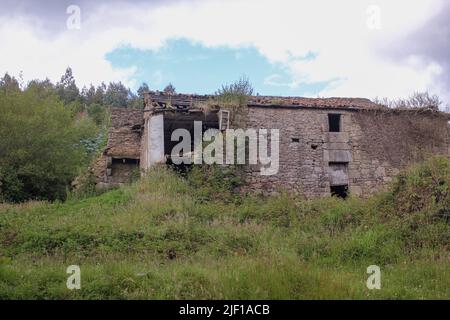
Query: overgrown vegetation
(235, 93)
(424, 189)
(51, 132)
(213, 182)
(417, 101)
(170, 237)
(43, 144)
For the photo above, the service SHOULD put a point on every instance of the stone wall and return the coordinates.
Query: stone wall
(124, 138)
(376, 145)
(124, 142)
(373, 145)
(386, 142)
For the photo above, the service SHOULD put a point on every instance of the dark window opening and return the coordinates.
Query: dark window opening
(334, 122)
(339, 191)
(125, 161)
(295, 140)
(314, 146)
(338, 164)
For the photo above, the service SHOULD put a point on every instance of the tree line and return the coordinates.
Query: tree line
(51, 131)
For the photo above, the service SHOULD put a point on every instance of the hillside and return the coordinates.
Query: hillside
(167, 237)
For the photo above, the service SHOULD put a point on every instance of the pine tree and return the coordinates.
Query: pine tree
(66, 87)
(9, 83)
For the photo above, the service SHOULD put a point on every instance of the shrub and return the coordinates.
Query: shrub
(424, 188)
(214, 182)
(41, 147)
(235, 93)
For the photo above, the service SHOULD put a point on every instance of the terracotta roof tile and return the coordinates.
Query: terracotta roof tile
(350, 103)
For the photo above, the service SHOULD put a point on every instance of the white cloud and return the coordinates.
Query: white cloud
(23, 50)
(347, 50)
(277, 80)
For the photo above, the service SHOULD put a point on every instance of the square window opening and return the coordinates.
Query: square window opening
(334, 122)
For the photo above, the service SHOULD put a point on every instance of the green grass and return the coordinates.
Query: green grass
(160, 239)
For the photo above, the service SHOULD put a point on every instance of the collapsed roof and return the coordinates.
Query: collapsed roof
(126, 124)
(161, 100)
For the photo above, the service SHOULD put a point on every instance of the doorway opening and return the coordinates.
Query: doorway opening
(174, 120)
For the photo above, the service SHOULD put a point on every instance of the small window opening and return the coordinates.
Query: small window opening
(334, 122)
(339, 191)
(314, 146)
(125, 161)
(295, 139)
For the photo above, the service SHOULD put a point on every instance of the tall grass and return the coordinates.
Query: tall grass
(170, 237)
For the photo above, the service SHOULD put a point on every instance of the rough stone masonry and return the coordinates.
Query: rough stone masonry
(327, 145)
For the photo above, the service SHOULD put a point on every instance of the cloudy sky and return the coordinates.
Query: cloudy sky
(376, 48)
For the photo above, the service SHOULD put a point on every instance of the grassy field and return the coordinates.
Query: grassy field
(166, 237)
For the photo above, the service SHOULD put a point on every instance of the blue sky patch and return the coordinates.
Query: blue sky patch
(193, 68)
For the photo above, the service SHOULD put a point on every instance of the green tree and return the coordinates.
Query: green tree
(137, 100)
(67, 89)
(43, 88)
(117, 95)
(88, 94)
(41, 149)
(99, 96)
(98, 113)
(143, 89)
(8, 83)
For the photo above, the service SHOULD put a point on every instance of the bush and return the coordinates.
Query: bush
(214, 182)
(237, 92)
(424, 188)
(40, 149)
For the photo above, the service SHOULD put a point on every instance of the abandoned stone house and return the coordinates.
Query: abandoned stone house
(327, 145)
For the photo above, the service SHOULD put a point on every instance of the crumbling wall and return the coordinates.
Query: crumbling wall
(124, 138)
(371, 147)
(401, 137)
(386, 142)
(124, 142)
